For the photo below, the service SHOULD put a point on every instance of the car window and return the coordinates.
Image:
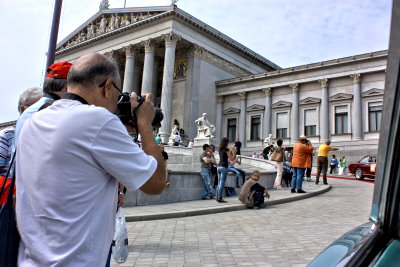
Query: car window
(364, 160)
(372, 159)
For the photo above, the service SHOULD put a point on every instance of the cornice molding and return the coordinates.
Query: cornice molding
(341, 97)
(255, 107)
(373, 92)
(309, 101)
(231, 111)
(281, 104)
(203, 54)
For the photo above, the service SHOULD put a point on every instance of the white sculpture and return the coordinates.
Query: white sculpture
(204, 128)
(269, 140)
(103, 25)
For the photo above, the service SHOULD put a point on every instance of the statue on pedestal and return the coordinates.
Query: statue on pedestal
(204, 128)
(269, 140)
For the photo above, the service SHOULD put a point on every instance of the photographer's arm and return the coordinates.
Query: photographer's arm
(145, 114)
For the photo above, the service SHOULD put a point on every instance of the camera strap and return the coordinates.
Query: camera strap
(52, 95)
(75, 97)
(134, 114)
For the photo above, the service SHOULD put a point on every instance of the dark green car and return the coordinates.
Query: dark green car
(377, 243)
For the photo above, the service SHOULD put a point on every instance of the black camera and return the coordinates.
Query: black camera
(126, 114)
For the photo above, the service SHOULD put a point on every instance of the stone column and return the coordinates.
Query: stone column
(295, 114)
(324, 119)
(242, 118)
(357, 108)
(219, 123)
(147, 81)
(267, 112)
(167, 84)
(129, 69)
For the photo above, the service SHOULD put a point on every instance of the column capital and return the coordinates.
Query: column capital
(242, 95)
(323, 82)
(220, 99)
(110, 54)
(267, 91)
(148, 45)
(130, 51)
(171, 39)
(356, 77)
(294, 86)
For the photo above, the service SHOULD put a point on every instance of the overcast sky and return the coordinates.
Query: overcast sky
(287, 32)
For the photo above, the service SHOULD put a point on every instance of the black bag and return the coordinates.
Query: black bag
(9, 236)
(230, 191)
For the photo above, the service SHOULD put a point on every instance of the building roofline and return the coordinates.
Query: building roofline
(167, 11)
(306, 67)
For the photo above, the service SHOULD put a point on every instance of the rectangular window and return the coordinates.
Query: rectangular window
(341, 120)
(255, 128)
(375, 116)
(282, 125)
(310, 122)
(231, 134)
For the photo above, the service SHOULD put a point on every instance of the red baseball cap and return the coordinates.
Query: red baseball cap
(59, 70)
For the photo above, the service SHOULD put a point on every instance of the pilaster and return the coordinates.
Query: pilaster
(242, 117)
(324, 121)
(357, 107)
(295, 113)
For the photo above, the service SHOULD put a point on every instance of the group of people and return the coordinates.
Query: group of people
(252, 193)
(73, 159)
(299, 160)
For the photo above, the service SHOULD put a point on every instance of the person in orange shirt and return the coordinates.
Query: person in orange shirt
(301, 160)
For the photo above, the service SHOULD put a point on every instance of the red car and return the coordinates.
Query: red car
(365, 167)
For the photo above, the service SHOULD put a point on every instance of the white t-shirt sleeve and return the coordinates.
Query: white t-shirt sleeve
(115, 151)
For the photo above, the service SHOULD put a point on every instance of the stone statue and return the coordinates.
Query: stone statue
(173, 2)
(204, 128)
(133, 18)
(103, 25)
(269, 140)
(125, 21)
(104, 4)
(90, 31)
(111, 25)
(117, 21)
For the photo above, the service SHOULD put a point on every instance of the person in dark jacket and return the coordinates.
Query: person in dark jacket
(252, 193)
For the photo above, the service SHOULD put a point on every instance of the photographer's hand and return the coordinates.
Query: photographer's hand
(144, 116)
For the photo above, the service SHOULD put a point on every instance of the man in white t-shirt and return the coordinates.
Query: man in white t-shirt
(70, 158)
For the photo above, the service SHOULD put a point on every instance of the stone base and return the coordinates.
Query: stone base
(199, 142)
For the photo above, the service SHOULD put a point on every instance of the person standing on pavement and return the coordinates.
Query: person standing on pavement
(214, 167)
(334, 163)
(224, 155)
(302, 152)
(322, 160)
(70, 158)
(342, 165)
(206, 161)
(238, 145)
(279, 150)
(55, 86)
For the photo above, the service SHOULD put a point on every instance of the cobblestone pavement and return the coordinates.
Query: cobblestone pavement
(290, 234)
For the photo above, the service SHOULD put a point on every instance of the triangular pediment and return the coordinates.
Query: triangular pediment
(373, 92)
(340, 97)
(310, 100)
(281, 104)
(255, 107)
(231, 111)
(108, 21)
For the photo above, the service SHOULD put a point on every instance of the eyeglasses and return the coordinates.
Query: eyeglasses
(116, 87)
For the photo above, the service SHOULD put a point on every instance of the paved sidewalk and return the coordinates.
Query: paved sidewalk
(202, 207)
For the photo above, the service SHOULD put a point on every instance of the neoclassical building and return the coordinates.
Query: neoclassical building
(193, 68)
(339, 99)
(168, 52)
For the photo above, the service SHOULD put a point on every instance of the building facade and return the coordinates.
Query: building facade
(167, 52)
(339, 99)
(191, 68)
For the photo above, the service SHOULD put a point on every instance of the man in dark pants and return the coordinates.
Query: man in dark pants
(322, 161)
